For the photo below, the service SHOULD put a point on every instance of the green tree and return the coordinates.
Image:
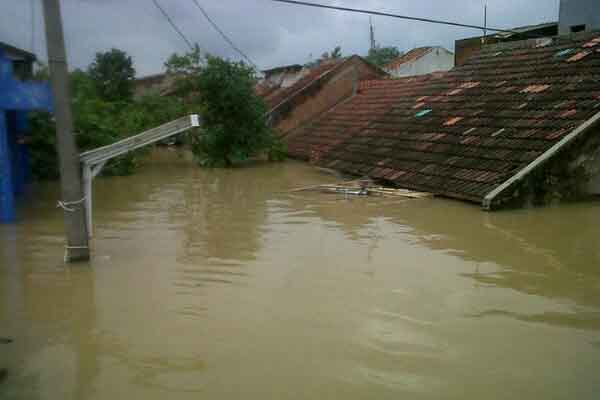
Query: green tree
(98, 122)
(189, 63)
(184, 69)
(113, 75)
(233, 115)
(381, 56)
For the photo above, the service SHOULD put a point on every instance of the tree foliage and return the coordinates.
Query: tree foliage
(189, 63)
(381, 56)
(181, 68)
(113, 75)
(105, 111)
(234, 117)
(98, 121)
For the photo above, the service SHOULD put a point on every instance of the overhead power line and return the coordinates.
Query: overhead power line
(223, 35)
(173, 25)
(385, 14)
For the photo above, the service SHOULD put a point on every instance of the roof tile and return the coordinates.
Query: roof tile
(471, 141)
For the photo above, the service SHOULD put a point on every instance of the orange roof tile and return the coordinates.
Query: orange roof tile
(502, 128)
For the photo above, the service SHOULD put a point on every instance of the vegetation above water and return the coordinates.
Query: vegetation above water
(234, 117)
(381, 56)
(105, 110)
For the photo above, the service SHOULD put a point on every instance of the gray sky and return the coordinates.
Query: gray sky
(270, 33)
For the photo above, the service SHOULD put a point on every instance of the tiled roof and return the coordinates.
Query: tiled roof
(374, 99)
(412, 55)
(463, 133)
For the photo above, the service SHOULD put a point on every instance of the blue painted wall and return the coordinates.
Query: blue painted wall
(16, 99)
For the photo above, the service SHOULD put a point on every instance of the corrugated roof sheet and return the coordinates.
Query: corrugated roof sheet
(489, 119)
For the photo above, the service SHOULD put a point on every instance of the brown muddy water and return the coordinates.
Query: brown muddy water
(221, 284)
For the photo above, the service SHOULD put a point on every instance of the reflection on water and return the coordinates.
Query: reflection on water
(224, 284)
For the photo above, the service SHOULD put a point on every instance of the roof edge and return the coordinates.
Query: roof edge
(328, 74)
(283, 68)
(581, 129)
(22, 52)
(303, 88)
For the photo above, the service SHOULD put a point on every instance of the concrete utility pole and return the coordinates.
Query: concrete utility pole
(73, 202)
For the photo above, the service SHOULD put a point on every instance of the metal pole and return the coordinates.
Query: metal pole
(484, 24)
(70, 174)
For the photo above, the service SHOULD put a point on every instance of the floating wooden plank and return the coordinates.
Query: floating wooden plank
(364, 187)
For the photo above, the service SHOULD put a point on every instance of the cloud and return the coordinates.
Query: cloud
(270, 33)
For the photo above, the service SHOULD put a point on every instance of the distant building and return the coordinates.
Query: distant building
(421, 61)
(579, 16)
(465, 48)
(318, 89)
(284, 76)
(574, 16)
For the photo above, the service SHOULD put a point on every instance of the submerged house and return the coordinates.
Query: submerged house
(518, 121)
(421, 61)
(17, 97)
(319, 89)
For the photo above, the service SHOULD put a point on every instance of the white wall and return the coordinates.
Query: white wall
(579, 12)
(285, 79)
(438, 59)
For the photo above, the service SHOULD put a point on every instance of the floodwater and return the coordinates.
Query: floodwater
(221, 284)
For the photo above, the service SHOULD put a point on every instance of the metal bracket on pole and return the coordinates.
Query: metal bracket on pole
(90, 171)
(93, 161)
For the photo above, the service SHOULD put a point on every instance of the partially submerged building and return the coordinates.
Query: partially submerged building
(421, 61)
(517, 121)
(17, 97)
(319, 89)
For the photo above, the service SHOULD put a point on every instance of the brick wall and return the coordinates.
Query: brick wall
(338, 87)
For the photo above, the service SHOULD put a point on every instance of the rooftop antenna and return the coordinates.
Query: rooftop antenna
(372, 34)
(484, 24)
